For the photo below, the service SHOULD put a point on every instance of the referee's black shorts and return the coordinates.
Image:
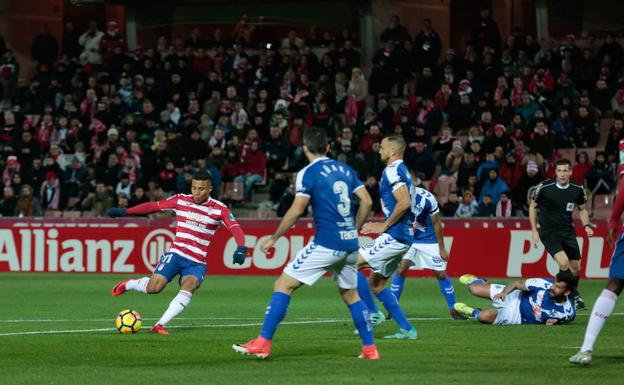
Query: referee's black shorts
(561, 241)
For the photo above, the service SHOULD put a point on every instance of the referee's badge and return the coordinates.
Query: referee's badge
(570, 207)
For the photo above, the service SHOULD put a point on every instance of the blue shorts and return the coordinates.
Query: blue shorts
(171, 264)
(616, 269)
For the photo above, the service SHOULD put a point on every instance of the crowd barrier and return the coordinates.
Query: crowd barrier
(485, 247)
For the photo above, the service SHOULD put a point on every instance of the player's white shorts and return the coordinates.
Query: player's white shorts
(384, 254)
(314, 260)
(509, 309)
(425, 256)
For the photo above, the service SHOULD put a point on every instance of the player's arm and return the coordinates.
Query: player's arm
(516, 285)
(533, 221)
(403, 204)
(584, 217)
(439, 233)
(616, 214)
(144, 208)
(583, 214)
(294, 212)
(237, 232)
(366, 205)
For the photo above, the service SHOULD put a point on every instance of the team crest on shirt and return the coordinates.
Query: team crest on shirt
(570, 206)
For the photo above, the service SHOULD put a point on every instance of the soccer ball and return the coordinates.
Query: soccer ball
(128, 321)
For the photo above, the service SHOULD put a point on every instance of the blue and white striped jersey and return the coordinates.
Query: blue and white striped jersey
(330, 185)
(393, 177)
(424, 206)
(536, 306)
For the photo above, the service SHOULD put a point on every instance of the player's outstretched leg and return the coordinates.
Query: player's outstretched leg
(149, 285)
(601, 311)
(260, 346)
(364, 291)
(467, 311)
(487, 316)
(181, 301)
(359, 314)
(139, 285)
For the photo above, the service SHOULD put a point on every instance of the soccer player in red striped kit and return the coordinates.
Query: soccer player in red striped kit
(198, 216)
(604, 305)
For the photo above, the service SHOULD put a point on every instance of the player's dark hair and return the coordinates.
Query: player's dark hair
(203, 175)
(398, 141)
(315, 139)
(564, 162)
(567, 277)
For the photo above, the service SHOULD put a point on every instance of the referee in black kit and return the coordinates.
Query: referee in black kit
(552, 204)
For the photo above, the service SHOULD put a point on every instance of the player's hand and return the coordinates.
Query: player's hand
(267, 244)
(551, 321)
(239, 255)
(115, 212)
(500, 297)
(536, 239)
(373, 228)
(589, 230)
(610, 238)
(444, 254)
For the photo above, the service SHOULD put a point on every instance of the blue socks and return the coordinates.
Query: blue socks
(478, 280)
(392, 305)
(396, 287)
(365, 293)
(275, 313)
(447, 290)
(475, 313)
(359, 313)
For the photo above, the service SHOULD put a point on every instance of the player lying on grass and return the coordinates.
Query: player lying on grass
(197, 216)
(534, 301)
(428, 248)
(328, 186)
(603, 307)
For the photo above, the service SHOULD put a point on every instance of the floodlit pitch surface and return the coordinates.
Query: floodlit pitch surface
(58, 329)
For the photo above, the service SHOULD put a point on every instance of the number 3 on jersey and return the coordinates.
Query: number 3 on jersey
(344, 205)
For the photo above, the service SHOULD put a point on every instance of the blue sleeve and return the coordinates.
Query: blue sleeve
(395, 178)
(433, 206)
(304, 183)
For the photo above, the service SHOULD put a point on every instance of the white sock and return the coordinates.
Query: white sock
(179, 303)
(138, 284)
(602, 310)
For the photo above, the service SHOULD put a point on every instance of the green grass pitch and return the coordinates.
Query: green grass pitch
(315, 345)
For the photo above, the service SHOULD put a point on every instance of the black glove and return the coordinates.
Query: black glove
(240, 254)
(116, 212)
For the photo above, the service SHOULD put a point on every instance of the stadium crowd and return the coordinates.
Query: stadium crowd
(101, 126)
